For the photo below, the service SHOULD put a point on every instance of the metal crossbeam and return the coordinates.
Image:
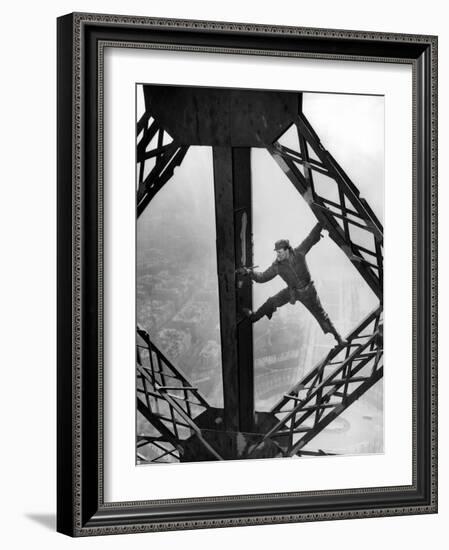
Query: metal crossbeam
(167, 158)
(170, 407)
(339, 218)
(330, 387)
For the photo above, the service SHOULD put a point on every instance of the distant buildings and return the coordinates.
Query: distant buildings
(210, 356)
(177, 304)
(155, 313)
(173, 343)
(195, 317)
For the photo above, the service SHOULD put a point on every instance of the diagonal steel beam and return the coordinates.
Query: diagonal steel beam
(337, 172)
(328, 218)
(156, 390)
(168, 157)
(336, 411)
(353, 337)
(330, 387)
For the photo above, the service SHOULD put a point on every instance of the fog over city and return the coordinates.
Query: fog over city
(177, 287)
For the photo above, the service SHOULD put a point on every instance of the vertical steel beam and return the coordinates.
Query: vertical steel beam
(226, 261)
(241, 164)
(232, 181)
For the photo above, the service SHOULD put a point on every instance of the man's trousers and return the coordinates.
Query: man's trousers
(307, 296)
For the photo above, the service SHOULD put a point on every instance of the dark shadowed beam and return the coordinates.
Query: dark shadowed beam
(163, 170)
(226, 262)
(241, 160)
(220, 117)
(157, 423)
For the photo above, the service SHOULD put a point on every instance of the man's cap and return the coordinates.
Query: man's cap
(283, 243)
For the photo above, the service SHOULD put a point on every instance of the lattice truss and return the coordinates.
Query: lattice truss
(345, 374)
(166, 399)
(169, 404)
(157, 157)
(335, 201)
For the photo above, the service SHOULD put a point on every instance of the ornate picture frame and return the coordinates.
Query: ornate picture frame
(83, 509)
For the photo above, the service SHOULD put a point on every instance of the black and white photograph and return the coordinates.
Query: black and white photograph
(223, 265)
(259, 274)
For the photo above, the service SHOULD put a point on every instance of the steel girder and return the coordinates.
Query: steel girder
(167, 158)
(330, 387)
(169, 403)
(338, 217)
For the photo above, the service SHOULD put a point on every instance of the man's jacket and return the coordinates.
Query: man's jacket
(293, 270)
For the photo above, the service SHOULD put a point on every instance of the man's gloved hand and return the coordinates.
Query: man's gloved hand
(243, 271)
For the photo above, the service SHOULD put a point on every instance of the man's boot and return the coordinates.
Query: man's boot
(340, 341)
(265, 309)
(328, 326)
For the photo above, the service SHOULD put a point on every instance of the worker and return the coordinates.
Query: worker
(290, 264)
